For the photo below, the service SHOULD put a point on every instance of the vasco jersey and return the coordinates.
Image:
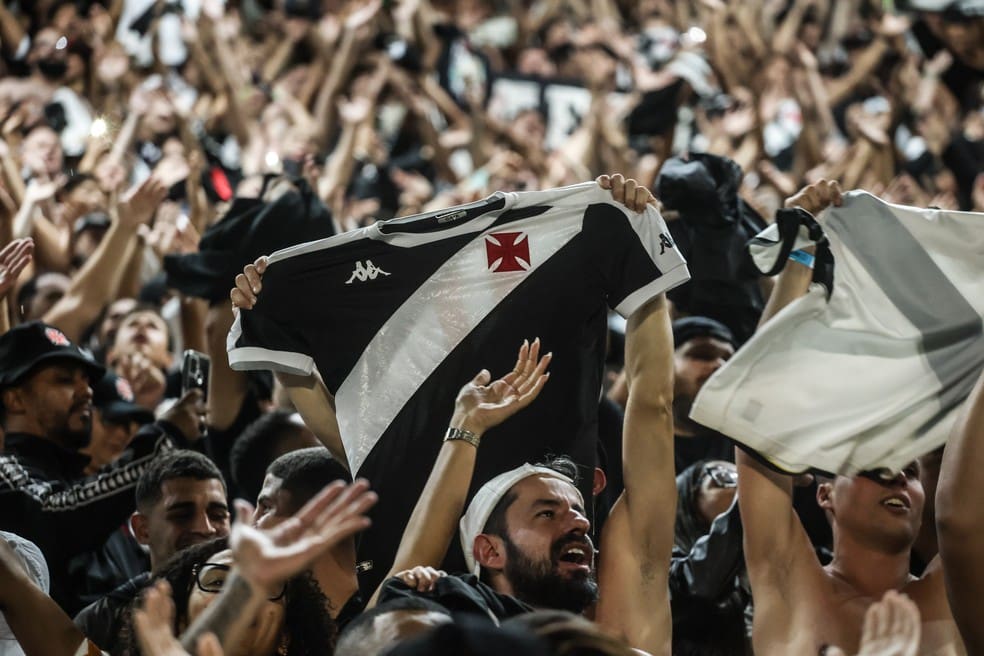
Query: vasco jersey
(396, 317)
(874, 376)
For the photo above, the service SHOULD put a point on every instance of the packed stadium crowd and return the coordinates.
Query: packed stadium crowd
(459, 327)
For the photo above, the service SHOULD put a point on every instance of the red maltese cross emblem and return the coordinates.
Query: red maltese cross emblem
(56, 337)
(124, 390)
(508, 251)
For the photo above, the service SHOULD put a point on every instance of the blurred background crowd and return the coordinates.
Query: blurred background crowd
(130, 128)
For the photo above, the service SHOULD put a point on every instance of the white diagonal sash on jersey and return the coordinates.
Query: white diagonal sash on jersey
(417, 338)
(952, 331)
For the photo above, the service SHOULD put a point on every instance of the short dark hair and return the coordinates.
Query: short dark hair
(359, 639)
(306, 472)
(168, 466)
(254, 449)
(496, 523)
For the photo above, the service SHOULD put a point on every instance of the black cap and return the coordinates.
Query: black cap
(114, 398)
(25, 347)
(689, 327)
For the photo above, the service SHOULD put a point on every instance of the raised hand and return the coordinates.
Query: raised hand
(421, 578)
(893, 25)
(364, 15)
(13, 258)
(141, 203)
(817, 197)
(892, 627)
(248, 285)
(482, 404)
(39, 191)
(146, 379)
(267, 558)
(188, 415)
(628, 192)
(154, 622)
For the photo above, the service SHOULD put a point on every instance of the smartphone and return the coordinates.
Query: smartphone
(195, 366)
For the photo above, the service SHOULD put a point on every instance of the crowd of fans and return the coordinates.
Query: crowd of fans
(138, 141)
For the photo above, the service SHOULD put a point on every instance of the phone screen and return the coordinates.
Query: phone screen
(195, 367)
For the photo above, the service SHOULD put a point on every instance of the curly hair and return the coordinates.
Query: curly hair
(308, 630)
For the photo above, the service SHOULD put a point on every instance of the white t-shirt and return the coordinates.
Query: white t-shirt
(37, 567)
(873, 377)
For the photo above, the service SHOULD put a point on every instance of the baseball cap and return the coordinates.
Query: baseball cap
(689, 327)
(30, 344)
(114, 398)
(485, 500)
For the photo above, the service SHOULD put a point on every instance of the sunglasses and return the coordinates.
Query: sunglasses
(722, 476)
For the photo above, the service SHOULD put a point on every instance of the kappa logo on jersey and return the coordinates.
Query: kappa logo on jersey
(364, 272)
(56, 337)
(508, 251)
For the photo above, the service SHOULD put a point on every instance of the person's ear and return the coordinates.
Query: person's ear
(489, 551)
(825, 496)
(600, 482)
(140, 527)
(13, 400)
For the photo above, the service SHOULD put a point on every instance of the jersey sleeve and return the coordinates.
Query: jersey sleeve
(635, 255)
(269, 336)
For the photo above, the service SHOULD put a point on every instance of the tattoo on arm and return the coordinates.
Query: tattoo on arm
(232, 611)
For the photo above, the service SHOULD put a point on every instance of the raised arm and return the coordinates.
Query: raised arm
(308, 393)
(638, 536)
(96, 283)
(481, 405)
(794, 280)
(959, 517)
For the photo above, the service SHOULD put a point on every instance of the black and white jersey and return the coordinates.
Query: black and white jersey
(396, 317)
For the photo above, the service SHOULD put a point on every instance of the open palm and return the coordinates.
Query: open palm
(267, 558)
(482, 404)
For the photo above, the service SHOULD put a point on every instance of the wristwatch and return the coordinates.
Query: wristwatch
(460, 434)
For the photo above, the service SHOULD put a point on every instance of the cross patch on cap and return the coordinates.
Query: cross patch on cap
(56, 337)
(124, 390)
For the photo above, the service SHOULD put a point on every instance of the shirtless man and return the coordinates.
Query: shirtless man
(801, 606)
(959, 518)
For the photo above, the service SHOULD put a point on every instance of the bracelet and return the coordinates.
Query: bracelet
(803, 258)
(460, 434)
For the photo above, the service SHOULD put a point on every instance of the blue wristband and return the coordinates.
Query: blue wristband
(803, 258)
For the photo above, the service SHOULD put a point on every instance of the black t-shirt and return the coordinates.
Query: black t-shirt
(460, 593)
(398, 316)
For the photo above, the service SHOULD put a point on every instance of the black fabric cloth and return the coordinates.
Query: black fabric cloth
(706, 446)
(251, 228)
(707, 589)
(711, 233)
(352, 609)
(103, 621)
(45, 498)
(97, 573)
(408, 310)
(469, 636)
(460, 593)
